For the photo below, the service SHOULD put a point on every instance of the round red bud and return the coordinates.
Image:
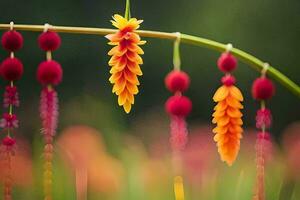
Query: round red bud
(12, 40)
(11, 69)
(49, 41)
(177, 81)
(227, 62)
(49, 72)
(178, 105)
(262, 88)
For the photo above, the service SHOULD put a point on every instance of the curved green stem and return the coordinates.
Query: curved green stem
(184, 38)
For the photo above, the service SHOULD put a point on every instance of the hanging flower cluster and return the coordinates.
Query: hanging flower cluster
(262, 90)
(227, 115)
(178, 107)
(49, 74)
(125, 60)
(11, 70)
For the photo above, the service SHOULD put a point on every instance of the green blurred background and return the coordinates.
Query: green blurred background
(268, 29)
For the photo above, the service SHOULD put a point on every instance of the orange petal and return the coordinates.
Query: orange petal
(221, 93)
(222, 105)
(233, 112)
(135, 48)
(134, 57)
(236, 93)
(235, 129)
(142, 42)
(236, 121)
(131, 77)
(233, 102)
(115, 77)
(117, 51)
(134, 38)
(220, 129)
(113, 60)
(218, 113)
(114, 37)
(132, 89)
(130, 98)
(122, 98)
(119, 85)
(127, 107)
(134, 68)
(222, 121)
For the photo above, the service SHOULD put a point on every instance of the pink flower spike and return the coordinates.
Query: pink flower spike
(263, 118)
(9, 121)
(11, 96)
(49, 112)
(179, 133)
(263, 149)
(264, 145)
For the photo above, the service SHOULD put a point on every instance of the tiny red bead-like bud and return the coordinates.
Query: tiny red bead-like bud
(8, 141)
(178, 105)
(262, 88)
(227, 62)
(49, 72)
(49, 41)
(12, 40)
(11, 69)
(177, 81)
(228, 80)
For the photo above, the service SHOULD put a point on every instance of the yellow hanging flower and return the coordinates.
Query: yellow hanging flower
(227, 116)
(125, 60)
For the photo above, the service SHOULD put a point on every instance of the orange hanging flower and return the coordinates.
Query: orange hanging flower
(227, 116)
(125, 60)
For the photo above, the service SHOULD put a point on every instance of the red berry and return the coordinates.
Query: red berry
(177, 81)
(8, 141)
(12, 40)
(49, 41)
(228, 80)
(227, 62)
(11, 69)
(49, 72)
(178, 105)
(262, 88)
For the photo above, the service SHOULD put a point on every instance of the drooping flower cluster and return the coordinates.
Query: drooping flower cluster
(11, 96)
(49, 74)
(178, 107)
(227, 115)
(125, 60)
(262, 89)
(11, 70)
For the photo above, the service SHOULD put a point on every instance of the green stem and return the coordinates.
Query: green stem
(176, 54)
(127, 10)
(184, 38)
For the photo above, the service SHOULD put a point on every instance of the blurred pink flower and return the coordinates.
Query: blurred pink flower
(291, 142)
(200, 155)
(84, 151)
